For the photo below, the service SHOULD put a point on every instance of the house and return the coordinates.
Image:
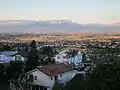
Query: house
(22, 54)
(6, 56)
(25, 54)
(44, 77)
(62, 57)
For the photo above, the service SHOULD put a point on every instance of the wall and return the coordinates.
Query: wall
(67, 76)
(59, 58)
(3, 57)
(18, 57)
(43, 79)
(76, 59)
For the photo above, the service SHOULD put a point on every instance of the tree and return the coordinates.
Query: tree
(33, 44)
(104, 77)
(50, 52)
(32, 56)
(14, 69)
(2, 73)
(77, 83)
(13, 73)
(26, 48)
(84, 58)
(5, 48)
(47, 50)
(32, 61)
(57, 87)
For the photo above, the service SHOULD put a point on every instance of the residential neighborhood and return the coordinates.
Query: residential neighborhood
(46, 68)
(51, 67)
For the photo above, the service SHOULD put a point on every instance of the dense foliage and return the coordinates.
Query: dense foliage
(104, 77)
(14, 69)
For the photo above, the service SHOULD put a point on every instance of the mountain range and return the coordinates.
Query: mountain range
(26, 26)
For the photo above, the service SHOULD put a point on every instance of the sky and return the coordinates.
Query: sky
(80, 11)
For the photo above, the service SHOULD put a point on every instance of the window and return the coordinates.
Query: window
(17, 57)
(58, 57)
(60, 75)
(42, 88)
(51, 78)
(45, 88)
(35, 77)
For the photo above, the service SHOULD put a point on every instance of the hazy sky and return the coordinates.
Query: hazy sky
(81, 11)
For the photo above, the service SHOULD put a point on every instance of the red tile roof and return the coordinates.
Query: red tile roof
(54, 69)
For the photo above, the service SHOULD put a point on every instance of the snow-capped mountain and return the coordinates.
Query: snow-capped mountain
(56, 26)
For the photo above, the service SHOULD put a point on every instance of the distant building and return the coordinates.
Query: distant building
(62, 57)
(22, 54)
(25, 54)
(7, 56)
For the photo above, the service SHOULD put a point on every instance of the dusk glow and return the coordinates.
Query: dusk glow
(80, 11)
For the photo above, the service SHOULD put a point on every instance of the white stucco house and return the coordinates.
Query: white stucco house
(62, 57)
(46, 76)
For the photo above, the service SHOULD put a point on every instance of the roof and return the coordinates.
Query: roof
(6, 59)
(23, 53)
(8, 53)
(7, 56)
(54, 69)
(2, 69)
(26, 54)
(31, 71)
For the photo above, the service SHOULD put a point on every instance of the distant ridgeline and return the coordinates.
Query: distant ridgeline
(9, 26)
